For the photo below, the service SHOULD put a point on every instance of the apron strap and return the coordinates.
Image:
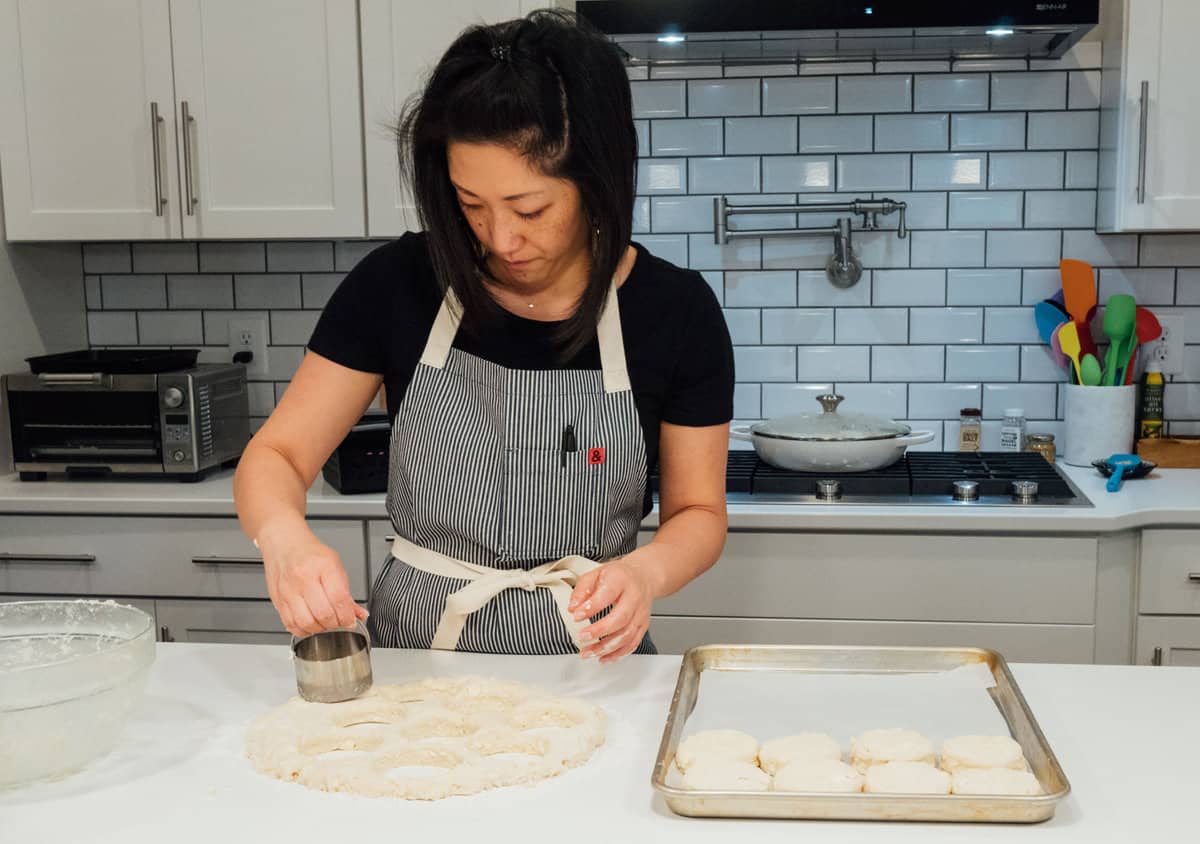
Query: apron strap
(614, 369)
(612, 345)
(445, 328)
(559, 576)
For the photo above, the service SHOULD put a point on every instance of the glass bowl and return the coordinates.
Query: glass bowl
(70, 674)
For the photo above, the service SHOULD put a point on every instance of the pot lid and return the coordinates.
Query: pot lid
(831, 426)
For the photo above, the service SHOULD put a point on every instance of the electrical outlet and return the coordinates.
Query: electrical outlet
(1167, 350)
(249, 334)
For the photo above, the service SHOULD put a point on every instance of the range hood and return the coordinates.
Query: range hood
(776, 31)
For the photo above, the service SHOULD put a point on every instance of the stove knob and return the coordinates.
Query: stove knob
(1025, 492)
(966, 490)
(172, 397)
(829, 490)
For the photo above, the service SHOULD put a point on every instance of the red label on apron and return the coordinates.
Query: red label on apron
(595, 456)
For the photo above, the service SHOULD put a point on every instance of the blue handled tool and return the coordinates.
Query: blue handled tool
(1120, 464)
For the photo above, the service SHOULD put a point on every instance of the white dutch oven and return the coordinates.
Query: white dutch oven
(830, 441)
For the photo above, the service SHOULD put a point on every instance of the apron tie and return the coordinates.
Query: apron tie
(559, 576)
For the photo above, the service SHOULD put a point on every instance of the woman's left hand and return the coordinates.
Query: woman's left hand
(625, 586)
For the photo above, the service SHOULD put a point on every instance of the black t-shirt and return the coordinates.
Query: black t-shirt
(677, 346)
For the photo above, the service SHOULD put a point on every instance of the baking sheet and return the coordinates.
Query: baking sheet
(771, 690)
(780, 703)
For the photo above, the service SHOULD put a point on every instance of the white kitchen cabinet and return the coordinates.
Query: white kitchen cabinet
(240, 622)
(271, 140)
(1168, 640)
(82, 156)
(401, 42)
(1169, 580)
(1015, 642)
(259, 130)
(151, 556)
(1149, 180)
(945, 578)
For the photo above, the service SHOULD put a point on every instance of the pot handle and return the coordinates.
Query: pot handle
(916, 438)
(741, 432)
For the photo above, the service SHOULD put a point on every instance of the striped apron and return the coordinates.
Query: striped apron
(504, 486)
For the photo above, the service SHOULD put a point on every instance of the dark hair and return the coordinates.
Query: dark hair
(556, 90)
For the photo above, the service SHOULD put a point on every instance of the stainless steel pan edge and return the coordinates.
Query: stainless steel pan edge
(818, 806)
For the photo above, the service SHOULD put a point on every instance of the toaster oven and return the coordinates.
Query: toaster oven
(180, 423)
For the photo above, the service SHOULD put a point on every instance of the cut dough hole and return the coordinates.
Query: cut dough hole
(342, 755)
(405, 772)
(441, 728)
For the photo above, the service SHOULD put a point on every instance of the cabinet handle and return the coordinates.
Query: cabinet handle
(156, 120)
(17, 557)
(164, 634)
(1194, 576)
(1157, 658)
(390, 538)
(188, 120)
(1143, 130)
(214, 560)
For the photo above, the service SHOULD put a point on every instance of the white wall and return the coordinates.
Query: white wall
(41, 310)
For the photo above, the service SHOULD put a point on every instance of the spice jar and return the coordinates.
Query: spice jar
(1012, 430)
(970, 428)
(1043, 444)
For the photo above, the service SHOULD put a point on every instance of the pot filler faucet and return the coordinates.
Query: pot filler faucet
(843, 269)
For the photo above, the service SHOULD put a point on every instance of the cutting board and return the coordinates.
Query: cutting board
(1171, 452)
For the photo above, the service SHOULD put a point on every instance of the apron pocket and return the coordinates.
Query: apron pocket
(551, 510)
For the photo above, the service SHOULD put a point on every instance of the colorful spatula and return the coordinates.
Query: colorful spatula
(1148, 330)
(1068, 339)
(1079, 288)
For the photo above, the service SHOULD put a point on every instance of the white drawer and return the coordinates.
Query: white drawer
(1170, 572)
(226, 622)
(185, 557)
(379, 543)
(1015, 642)
(1047, 580)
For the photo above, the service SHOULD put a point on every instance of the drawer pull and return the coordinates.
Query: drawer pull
(214, 560)
(1194, 576)
(390, 538)
(15, 557)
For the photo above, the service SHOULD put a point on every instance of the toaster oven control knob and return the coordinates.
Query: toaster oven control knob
(178, 456)
(966, 490)
(172, 397)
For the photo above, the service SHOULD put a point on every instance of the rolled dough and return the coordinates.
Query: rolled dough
(474, 733)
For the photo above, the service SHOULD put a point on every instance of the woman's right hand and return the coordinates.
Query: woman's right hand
(307, 583)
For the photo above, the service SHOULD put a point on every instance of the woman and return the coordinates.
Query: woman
(536, 364)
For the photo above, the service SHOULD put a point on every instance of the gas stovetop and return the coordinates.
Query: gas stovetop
(957, 479)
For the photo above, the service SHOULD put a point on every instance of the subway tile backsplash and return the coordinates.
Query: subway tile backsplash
(996, 160)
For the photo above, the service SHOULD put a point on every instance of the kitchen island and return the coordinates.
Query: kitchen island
(1125, 736)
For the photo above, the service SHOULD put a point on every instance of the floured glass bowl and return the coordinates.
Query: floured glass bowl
(70, 674)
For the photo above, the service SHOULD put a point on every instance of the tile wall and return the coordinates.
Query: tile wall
(996, 160)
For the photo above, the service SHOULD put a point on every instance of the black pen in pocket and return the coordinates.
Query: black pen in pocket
(567, 445)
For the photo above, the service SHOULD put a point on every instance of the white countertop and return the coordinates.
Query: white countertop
(1167, 497)
(1123, 734)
